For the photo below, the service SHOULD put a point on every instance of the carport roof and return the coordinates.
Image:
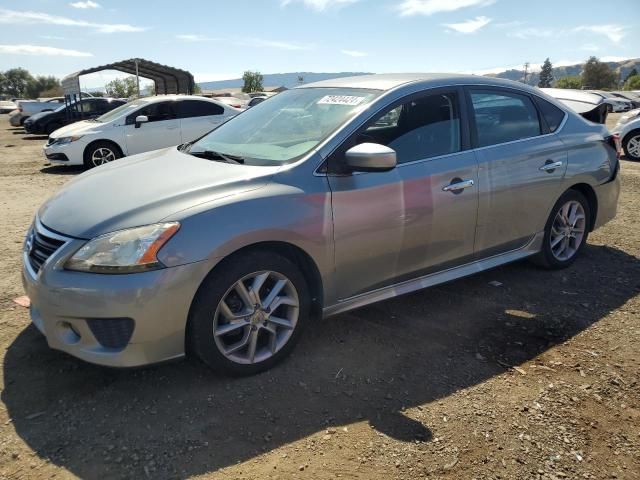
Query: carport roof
(168, 80)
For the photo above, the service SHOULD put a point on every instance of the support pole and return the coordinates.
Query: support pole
(137, 79)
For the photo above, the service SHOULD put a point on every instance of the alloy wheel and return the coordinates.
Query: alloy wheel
(568, 230)
(256, 317)
(102, 155)
(633, 146)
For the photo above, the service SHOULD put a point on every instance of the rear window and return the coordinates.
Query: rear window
(552, 115)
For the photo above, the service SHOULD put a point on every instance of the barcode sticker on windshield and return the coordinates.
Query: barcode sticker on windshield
(340, 100)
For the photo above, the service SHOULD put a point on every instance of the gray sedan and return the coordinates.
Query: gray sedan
(326, 198)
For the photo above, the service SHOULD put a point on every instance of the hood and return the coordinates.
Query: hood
(145, 189)
(76, 128)
(38, 116)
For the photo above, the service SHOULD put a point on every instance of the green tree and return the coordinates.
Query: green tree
(122, 87)
(632, 73)
(598, 75)
(569, 82)
(632, 83)
(252, 82)
(546, 75)
(15, 82)
(42, 84)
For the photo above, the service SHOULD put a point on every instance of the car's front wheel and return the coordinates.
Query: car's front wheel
(99, 153)
(566, 231)
(631, 145)
(249, 313)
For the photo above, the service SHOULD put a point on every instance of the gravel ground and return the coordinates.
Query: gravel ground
(537, 378)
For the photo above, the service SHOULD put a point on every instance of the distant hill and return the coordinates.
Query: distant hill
(288, 80)
(622, 68)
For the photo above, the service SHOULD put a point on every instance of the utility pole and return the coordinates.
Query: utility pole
(526, 71)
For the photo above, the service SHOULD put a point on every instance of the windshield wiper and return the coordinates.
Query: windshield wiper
(211, 155)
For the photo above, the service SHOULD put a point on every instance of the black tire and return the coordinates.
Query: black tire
(200, 338)
(92, 148)
(632, 135)
(22, 120)
(51, 127)
(545, 258)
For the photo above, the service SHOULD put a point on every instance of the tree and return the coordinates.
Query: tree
(598, 75)
(632, 73)
(569, 82)
(252, 82)
(632, 83)
(15, 82)
(196, 89)
(122, 87)
(546, 75)
(41, 84)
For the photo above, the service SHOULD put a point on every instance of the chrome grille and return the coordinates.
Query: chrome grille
(41, 245)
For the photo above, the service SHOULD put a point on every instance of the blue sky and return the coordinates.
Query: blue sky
(221, 39)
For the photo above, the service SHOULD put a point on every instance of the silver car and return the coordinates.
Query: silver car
(328, 197)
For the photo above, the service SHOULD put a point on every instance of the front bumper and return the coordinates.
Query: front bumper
(87, 315)
(66, 154)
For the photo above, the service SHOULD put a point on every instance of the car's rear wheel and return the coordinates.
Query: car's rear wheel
(566, 231)
(99, 153)
(249, 313)
(631, 145)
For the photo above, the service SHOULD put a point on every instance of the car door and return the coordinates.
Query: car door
(521, 167)
(161, 130)
(419, 217)
(198, 117)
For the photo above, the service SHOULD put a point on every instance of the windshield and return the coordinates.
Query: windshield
(120, 111)
(286, 127)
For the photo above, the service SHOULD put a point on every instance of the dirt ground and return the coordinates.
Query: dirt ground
(537, 378)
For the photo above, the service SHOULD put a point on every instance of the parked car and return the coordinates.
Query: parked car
(7, 106)
(31, 107)
(48, 122)
(229, 246)
(589, 105)
(233, 102)
(617, 104)
(255, 101)
(15, 117)
(139, 126)
(630, 96)
(628, 129)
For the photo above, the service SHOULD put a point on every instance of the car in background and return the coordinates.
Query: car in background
(27, 108)
(305, 206)
(141, 125)
(255, 100)
(48, 122)
(7, 106)
(233, 102)
(589, 105)
(617, 104)
(628, 129)
(634, 98)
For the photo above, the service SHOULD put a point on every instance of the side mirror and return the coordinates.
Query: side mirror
(371, 157)
(140, 119)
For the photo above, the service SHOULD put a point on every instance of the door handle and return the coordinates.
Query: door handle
(458, 186)
(550, 166)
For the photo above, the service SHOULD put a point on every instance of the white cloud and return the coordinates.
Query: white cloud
(354, 53)
(194, 38)
(34, 18)
(320, 5)
(590, 47)
(615, 33)
(85, 5)
(39, 50)
(469, 26)
(530, 32)
(213, 77)
(429, 7)
(245, 42)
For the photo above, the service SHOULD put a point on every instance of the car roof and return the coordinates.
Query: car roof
(388, 81)
(161, 98)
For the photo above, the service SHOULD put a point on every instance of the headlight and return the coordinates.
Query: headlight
(65, 140)
(124, 251)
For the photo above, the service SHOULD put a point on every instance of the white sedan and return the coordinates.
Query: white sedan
(139, 126)
(628, 129)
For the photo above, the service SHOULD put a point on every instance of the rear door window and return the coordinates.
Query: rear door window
(552, 115)
(502, 116)
(198, 108)
(155, 112)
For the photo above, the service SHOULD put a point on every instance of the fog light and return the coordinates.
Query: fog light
(67, 333)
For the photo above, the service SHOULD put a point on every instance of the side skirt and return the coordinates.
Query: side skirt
(437, 278)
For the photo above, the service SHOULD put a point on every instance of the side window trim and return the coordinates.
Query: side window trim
(544, 129)
(465, 138)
